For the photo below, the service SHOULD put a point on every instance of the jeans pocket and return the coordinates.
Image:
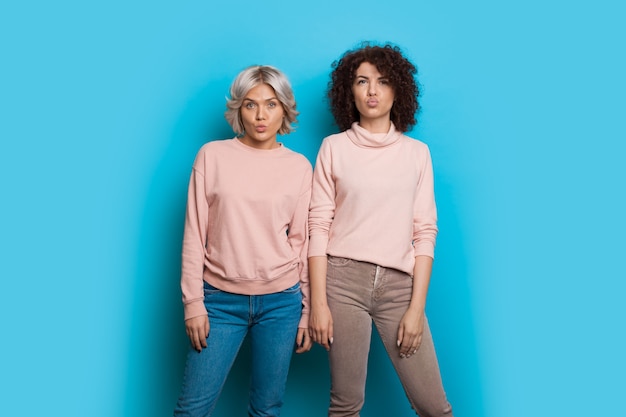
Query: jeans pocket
(292, 290)
(210, 289)
(338, 261)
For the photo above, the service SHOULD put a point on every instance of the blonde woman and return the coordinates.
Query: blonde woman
(244, 259)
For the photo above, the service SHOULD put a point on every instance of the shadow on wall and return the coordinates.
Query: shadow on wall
(449, 309)
(157, 339)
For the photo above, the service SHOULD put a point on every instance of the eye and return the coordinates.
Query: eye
(384, 81)
(361, 81)
(250, 105)
(271, 104)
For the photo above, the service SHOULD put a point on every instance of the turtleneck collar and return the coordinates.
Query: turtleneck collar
(365, 139)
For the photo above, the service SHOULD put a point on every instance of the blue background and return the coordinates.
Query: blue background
(103, 106)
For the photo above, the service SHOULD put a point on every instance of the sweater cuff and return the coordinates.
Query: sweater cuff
(426, 249)
(195, 309)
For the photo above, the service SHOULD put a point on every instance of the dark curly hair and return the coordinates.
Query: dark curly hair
(390, 62)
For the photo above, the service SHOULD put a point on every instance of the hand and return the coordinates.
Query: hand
(303, 341)
(410, 332)
(321, 326)
(198, 330)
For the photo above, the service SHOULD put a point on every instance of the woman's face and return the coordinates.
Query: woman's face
(373, 96)
(262, 116)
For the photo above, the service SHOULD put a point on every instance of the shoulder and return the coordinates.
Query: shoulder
(414, 143)
(416, 146)
(334, 141)
(210, 152)
(215, 146)
(336, 138)
(297, 159)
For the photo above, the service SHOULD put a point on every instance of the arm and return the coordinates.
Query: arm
(194, 241)
(424, 237)
(299, 241)
(321, 321)
(321, 216)
(412, 323)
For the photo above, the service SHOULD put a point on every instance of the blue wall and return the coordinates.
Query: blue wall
(103, 106)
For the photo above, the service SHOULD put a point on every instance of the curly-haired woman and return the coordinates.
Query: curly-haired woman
(372, 227)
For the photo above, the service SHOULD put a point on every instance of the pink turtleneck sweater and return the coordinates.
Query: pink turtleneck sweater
(246, 223)
(373, 199)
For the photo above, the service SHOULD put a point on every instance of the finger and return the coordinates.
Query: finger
(300, 337)
(414, 346)
(308, 344)
(199, 341)
(307, 340)
(305, 343)
(202, 333)
(400, 335)
(195, 343)
(323, 339)
(318, 335)
(330, 334)
(418, 343)
(406, 346)
(189, 332)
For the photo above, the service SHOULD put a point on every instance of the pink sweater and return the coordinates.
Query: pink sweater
(373, 199)
(246, 223)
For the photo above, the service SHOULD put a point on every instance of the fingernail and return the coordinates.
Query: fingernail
(331, 340)
(398, 343)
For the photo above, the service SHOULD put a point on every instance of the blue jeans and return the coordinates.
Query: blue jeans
(272, 321)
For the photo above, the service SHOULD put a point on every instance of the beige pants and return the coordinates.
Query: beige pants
(359, 293)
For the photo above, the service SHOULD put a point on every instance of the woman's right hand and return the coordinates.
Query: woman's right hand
(321, 326)
(198, 331)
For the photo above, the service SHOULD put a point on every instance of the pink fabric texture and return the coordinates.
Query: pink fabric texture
(246, 228)
(357, 212)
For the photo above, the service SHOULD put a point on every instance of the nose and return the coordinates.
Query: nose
(371, 89)
(260, 115)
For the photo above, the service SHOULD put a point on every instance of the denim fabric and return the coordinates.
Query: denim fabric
(271, 320)
(359, 293)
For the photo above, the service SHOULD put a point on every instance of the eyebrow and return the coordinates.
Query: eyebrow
(254, 101)
(382, 77)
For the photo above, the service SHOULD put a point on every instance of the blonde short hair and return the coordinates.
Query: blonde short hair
(250, 78)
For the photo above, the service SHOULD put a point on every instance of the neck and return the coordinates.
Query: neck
(267, 144)
(375, 125)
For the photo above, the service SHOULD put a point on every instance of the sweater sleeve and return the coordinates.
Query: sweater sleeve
(299, 241)
(322, 209)
(194, 243)
(425, 209)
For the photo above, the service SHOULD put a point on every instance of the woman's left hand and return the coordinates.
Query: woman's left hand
(303, 341)
(410, 332)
